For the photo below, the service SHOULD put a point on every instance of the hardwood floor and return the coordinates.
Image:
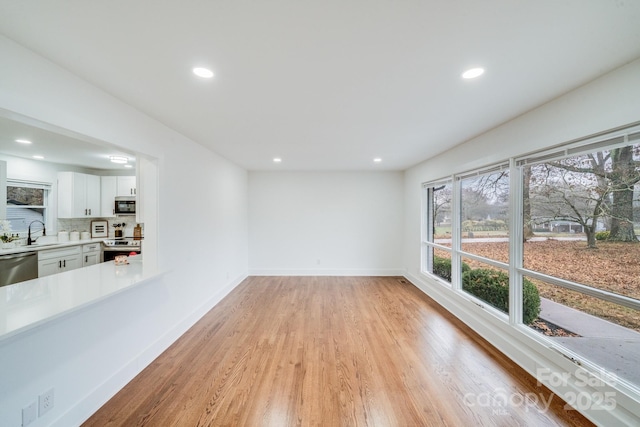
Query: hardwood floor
(332, 351)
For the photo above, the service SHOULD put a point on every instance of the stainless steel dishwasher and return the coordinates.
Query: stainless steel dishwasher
(18, 267)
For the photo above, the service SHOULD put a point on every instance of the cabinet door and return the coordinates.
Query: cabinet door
(126, 186)
(108, 191)
(72, 189)
(90, 258)
(92, 195)
(71, 263)
(78, 195)
(48, 267)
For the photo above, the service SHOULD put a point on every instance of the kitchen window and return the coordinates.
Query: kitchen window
(27, 201)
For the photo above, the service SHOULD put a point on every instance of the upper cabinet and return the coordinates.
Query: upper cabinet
(78, 195)
(112, 187)
(108, 191)
(126, 186)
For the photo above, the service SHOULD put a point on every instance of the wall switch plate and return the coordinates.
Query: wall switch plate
(29, 413)
(45, 402)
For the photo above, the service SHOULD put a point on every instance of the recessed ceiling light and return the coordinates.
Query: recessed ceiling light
(38, 157)
(128, 166)
(377, 160)
(473, 73)
(23, 141)
(203, 72)
(277, 160)
(119, 159)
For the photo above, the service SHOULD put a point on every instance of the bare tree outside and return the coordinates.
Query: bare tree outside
(558, 195)
(441, 207)
(625, 174)
(595, 191)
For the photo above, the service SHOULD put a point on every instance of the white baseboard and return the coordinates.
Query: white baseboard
(86, 407)
(328, 272)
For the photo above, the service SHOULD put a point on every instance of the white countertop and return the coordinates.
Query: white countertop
(27, 305)
(37, 247)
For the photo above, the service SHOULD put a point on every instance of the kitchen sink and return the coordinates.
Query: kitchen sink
(44, 244)
(45, 241)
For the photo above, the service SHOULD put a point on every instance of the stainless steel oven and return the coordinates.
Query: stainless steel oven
(114, 247)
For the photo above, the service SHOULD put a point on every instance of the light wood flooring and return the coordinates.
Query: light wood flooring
(332, 351)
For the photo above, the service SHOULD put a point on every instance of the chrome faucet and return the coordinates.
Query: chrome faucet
(44, 232)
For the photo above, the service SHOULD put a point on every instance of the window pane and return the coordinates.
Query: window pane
(21, 196)
(21, 217)
(601, 331)
(438, 228)
(583, 216)
(441, 210)
(484, 215)
(25, 204)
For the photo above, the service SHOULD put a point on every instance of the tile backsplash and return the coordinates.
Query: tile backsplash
(84, 224)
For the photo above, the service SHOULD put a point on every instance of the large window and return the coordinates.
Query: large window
(549, 242)
(26, 202)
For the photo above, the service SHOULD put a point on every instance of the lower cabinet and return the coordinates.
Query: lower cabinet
(90, 254)
(53, 261)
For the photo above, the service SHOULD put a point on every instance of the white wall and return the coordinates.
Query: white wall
(606, 103)
(91, 354)
(325, 223)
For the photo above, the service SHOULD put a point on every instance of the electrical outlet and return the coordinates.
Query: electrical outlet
(29, 413)
(45, 402)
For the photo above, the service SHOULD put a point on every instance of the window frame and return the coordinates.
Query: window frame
(427, 235)
(46, 187)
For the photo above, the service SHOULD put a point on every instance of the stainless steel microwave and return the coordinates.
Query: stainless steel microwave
(125, 206)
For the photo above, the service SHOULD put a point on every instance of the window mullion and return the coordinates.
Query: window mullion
(456, 279)
(515, 242)
(427, 226)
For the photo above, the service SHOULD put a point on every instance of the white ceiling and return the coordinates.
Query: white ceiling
(329, 85)
(57, 146)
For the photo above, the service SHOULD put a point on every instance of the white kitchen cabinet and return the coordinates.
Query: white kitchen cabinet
(126, 186)
(53, 261)
(78, 195)
(108, 192)
(93, 195)
(112, 187)
(90, 254)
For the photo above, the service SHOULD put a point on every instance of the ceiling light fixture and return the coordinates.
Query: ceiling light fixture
(277, 160)
(473, 73)
(38, 157)
(377, 160)
(205, 73)
(119, 159)
(23, 141)
(128, 166)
